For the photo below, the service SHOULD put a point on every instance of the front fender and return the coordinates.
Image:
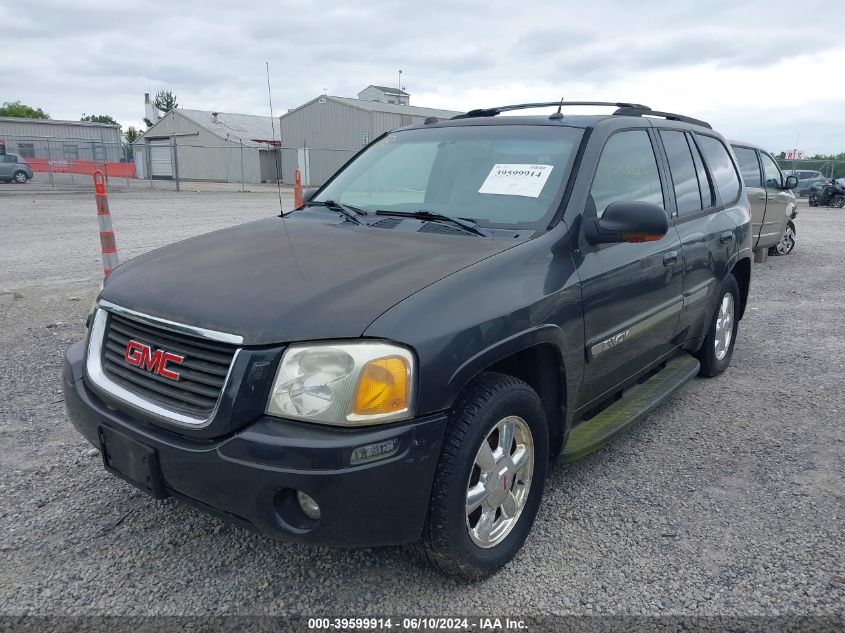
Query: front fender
(538, 335)
(459, 326)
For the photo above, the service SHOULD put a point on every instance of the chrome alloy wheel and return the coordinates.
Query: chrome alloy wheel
(787, 242)
(20, 177)
(500, 481)
(724, 326)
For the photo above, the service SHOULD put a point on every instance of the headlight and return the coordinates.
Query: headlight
(346, 384)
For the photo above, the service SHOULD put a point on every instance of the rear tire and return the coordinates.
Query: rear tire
(490, 478)
(787, 241)
(718, 348)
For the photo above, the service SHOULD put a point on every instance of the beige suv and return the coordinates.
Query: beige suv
(773, 205)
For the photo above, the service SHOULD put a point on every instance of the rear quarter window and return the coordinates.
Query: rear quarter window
(721, 167)
(748, 165)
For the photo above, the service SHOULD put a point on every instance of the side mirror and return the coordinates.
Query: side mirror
(791, 182)
(627, 222)
(308, 193)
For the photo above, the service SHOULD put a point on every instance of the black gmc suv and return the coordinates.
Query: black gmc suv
(400, 358)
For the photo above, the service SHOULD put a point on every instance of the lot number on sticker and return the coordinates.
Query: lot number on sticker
(516, 180)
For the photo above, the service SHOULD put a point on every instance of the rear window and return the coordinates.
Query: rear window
(748, 166)
(721, 166)
(497, 175)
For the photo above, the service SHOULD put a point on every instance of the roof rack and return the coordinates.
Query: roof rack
(622, 109)
(671, 116)
(545, 104)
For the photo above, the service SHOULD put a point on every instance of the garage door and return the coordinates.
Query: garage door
(161, 159)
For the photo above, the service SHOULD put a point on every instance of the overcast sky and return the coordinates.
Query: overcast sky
(762, 71)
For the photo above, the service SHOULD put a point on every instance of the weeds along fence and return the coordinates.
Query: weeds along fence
(174, 163)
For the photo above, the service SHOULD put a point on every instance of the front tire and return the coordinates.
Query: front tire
(19, 177)
(489, 479)
(718, 348)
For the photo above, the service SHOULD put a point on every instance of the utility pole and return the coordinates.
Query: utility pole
(400, 79)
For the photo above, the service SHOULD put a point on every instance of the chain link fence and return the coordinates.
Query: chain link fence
(827, 168)
(812, 172)
(174, 163)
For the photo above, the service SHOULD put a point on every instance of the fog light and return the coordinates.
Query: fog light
(308, 505)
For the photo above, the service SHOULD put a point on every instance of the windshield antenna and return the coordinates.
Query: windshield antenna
(558, 115)
(276, 147)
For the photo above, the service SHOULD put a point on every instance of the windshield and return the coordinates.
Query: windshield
(497, 175)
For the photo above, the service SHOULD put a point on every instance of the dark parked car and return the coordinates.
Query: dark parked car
(400, 359)
(807, 179)
(14, 169)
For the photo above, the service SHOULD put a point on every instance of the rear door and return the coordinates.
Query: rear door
(631, 292)
(749, 167)
(706, 232)
(7, 164)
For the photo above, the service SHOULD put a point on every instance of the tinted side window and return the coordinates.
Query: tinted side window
(627, 171)
(705, 185)
(684, 178)
(721, 166)
(748, 166)
(773, 178)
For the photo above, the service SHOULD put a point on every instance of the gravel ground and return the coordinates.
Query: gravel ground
(728, 500)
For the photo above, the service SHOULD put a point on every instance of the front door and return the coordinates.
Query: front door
(632, 293)
(778, 200)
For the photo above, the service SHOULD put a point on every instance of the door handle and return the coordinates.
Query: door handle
(670, 258)
(727, 236)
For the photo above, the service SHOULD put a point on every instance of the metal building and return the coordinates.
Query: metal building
(205, 145)
(55, 141)
(322, 134)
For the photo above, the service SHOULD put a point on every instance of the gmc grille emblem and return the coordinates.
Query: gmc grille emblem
(140, 355)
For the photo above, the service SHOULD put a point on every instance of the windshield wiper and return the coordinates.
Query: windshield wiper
(350, 212)
(423, 214)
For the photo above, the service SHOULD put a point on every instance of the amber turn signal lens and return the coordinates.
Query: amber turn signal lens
(382, 387)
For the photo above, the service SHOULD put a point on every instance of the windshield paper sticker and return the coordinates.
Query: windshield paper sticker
(516, 180)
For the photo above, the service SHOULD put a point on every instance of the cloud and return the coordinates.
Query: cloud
(759, 68)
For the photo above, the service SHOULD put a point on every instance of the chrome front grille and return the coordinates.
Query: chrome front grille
(189, 399)
(201, 374)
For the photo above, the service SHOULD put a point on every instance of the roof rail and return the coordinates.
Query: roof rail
(632, 110)
(483, 112)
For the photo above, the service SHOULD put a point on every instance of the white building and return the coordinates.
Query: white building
(319, 136)
(62, 141)
(207, 145)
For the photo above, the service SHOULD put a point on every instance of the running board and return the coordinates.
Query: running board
(630, 409)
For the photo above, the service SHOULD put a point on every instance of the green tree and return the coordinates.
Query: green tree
(22, 111)
(99, 118)
(131, 135)
(165, 101)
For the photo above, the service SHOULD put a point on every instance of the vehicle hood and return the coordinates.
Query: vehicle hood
(309, 276)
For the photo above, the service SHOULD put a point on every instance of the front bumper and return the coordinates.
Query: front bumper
(251, 476)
